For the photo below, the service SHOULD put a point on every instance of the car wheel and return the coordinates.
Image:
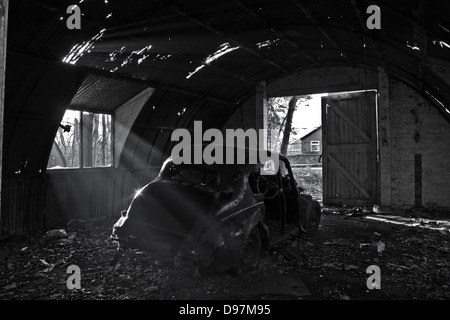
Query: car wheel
(314, 218)
(251, 252)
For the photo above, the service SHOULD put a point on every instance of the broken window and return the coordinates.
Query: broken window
(83, 140)
(315, 146)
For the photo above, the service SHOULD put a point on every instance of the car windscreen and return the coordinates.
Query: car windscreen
(201, 176)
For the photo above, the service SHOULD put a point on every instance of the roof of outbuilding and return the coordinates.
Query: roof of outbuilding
(203, 57)
(311, 132)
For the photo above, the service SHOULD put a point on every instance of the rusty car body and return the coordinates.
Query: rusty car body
(214, 217)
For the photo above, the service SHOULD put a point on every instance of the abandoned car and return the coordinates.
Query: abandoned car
(218, 216)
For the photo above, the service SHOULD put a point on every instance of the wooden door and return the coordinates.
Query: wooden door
(350, 161)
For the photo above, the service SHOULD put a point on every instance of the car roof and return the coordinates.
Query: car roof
(228, 148)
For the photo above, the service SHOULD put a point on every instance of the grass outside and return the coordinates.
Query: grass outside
(310, 178)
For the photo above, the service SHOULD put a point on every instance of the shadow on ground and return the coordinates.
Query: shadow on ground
(328, 266)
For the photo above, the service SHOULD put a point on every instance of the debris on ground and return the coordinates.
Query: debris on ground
(374, 246)
(347, 211)
(332, 265)
(55, 234)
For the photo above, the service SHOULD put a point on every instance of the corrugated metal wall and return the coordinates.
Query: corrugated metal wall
(44, 201)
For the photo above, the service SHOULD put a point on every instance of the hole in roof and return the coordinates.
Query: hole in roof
(113, 55)
(442, 44)
(78, 50)
(267, 43)
(135, 54)
(224, 48)
(438, 101)
(140, 60)
(413, 47)
(440, 25)
(160, 56)
(180, 113)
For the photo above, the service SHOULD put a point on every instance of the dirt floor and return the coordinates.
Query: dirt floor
(331, 265)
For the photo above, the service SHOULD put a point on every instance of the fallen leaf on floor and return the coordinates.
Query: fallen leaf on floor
(11, 286)
(351, 267)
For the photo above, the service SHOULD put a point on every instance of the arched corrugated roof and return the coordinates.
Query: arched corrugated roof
(203, 57)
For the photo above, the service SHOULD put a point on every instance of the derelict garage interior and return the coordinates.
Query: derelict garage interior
(153, 67)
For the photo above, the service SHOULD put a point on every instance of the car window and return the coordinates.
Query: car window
(283, 169)
(197, 175)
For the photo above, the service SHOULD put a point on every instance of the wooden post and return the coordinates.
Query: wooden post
(261, 108)
(384, 138)
(3, 36)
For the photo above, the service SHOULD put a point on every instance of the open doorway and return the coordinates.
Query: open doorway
(295, 130)
(331, 140)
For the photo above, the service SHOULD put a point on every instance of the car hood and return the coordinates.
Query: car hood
(169, 205)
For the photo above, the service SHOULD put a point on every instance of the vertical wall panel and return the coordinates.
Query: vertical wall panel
(43, 201)
(3, 36)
